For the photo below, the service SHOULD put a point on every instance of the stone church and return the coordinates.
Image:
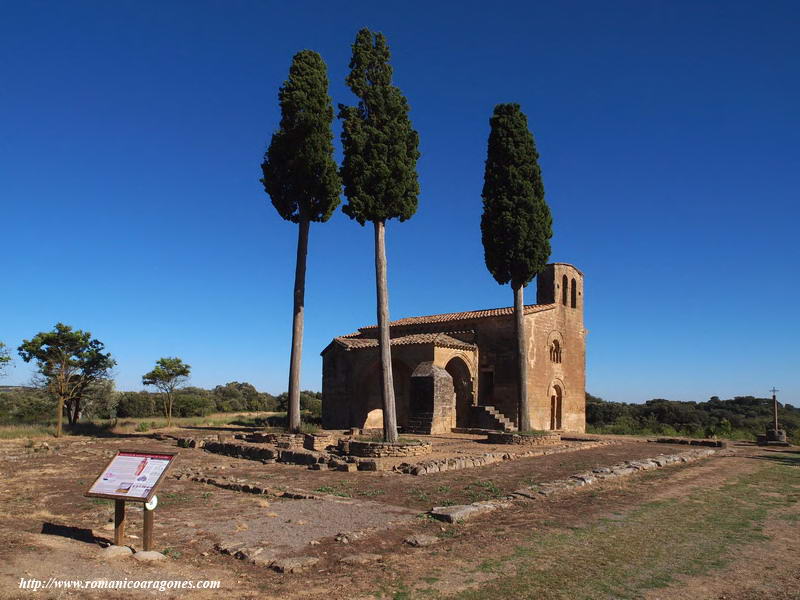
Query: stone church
(458, 370)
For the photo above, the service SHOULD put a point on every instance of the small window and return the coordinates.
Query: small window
(574, 294)
(555, 351)
(564, 286)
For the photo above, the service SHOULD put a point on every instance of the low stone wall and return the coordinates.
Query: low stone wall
(468, 462)
(296, 456)
(386, 449)
(285, 440)
(691, 442)
(550, 438)
(319, 441)
(293, 441)
(462, 512)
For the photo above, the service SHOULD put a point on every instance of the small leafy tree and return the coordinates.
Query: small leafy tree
(379, 172)
(5, 359)
(69, 362)
(168, 375)
(516, 225)
(302, 179)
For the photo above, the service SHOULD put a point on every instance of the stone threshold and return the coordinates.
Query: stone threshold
(462, 512)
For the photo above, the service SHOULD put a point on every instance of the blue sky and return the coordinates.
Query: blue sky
(131, 135)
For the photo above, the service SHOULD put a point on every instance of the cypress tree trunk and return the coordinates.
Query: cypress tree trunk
(293, 418)
(523, 415)
(387, 384)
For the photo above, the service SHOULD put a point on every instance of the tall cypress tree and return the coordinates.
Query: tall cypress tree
(379, 174)
(302, 179)
(516, 225)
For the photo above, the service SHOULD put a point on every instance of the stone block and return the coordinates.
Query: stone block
(295, 564)
(148, 556)
(115, 552)
(421, 540)
(461, 512)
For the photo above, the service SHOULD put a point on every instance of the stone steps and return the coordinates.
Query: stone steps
(500, 420)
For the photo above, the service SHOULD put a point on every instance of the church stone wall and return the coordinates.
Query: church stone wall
(351, 390)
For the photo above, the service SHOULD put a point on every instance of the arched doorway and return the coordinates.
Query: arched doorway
(462, 384)
(370, 390)
(556, 397)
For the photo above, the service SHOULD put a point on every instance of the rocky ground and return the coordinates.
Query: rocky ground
(329, 534)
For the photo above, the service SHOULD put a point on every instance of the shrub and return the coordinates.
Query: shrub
(192, 405)
(136, 404)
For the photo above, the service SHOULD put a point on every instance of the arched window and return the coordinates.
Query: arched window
(555, 352)
(574, 294)
(564, 286)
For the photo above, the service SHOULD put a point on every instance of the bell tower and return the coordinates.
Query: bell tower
(560, 283)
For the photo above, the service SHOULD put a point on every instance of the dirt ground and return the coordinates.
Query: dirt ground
(49, 529)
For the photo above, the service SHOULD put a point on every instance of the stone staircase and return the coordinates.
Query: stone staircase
(488, 417)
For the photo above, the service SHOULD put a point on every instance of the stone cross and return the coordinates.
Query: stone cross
(775, 407)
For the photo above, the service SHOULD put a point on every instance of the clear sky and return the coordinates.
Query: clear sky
(131, 135)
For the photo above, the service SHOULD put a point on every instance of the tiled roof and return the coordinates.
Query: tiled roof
(437, 339)
(473, 314)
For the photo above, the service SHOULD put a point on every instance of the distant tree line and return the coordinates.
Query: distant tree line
(74, 379)
(742, 417)
(36, 405)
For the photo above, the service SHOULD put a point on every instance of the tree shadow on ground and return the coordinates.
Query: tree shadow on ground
(99, 430)
(78, 534)
(238, 428)
(789, 458)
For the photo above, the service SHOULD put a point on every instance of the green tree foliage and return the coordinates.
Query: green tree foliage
(136, 404)
(379, 172)
(100, 400)
(69, 363)
(5, 359)
(309, 401)
(516, 225)
(193, 402)
(299, 172)
(742, 417)
(303, 181)
(26, 405)
(235, 396)
(35, 405)
(167, 376)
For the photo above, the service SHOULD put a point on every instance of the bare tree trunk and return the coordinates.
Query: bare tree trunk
(76, 411)
(59, 415)
(293, 417)
(523, 414)
(387, 384)
(168, 409)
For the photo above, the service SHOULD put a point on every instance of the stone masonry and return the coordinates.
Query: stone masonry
(476, 349)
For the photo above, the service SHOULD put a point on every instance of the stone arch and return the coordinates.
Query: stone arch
(556, 393)
(555, 346)
(463, 378)
(369, 389)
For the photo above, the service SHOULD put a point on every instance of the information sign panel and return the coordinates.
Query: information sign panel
(132, 475)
